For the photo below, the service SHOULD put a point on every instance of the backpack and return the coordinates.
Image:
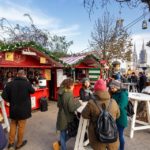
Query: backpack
(106, 129)
(43, 104)
(130, 110)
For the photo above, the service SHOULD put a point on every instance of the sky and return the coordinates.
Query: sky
(71, 19)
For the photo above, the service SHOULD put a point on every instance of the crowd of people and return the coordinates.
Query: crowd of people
(140, 80)
(112, 95)
(102, 95)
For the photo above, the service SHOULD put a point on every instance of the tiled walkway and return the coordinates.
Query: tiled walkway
(41, 133)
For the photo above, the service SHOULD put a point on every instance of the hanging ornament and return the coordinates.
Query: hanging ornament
(144, 24)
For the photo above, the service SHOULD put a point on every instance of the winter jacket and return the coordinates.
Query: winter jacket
(134, 79)
(85, 94)
(121, 98)
(91, 112)
(17, 93)
(142, 82)
(67, 106)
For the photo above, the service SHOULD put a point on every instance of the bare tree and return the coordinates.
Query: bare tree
(9, 33)
(110, 40)
(90, 5)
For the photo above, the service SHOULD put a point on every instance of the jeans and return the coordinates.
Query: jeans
(63, 139)
(121, 137)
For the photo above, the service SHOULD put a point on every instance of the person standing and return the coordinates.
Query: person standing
(9, 78)
(91, 112)
(17, 93)
(134, 78)
(67, 106)
(121, 97)
(142, 81)
(85, 91)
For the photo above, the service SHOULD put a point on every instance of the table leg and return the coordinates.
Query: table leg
(128, 88)
(81, 143)
(133, 120)
(148, 110)
(76, 147)
(133, 89)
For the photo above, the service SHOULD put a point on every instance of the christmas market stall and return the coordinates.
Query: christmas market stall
(37, 65)
(81, 66)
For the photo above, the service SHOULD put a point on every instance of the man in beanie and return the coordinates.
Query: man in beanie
(17, 93)
(120, 94)
(91, 112)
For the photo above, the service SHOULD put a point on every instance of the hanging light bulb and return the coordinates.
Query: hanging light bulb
(144, 24)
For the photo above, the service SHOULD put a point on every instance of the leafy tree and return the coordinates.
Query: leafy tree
(110, 40)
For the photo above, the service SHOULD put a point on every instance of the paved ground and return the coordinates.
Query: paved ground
(41, 133)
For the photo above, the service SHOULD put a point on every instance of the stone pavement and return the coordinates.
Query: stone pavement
(41, 133)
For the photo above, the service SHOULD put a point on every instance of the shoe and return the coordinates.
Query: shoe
(56, 145)
(11, 147)
(23, 144)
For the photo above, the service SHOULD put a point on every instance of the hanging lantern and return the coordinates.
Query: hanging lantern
(119, 23)
(144, 24)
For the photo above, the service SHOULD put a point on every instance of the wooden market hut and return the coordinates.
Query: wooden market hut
(33, 61)
(80, 66)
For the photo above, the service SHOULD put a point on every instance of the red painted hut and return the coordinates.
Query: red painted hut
(80, 66)
(36, 64)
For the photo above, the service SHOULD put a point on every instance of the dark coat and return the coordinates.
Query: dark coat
(85, 94)
(67, 106)
(142, 82)
(91, 112)
(134, 79)
(17, 93)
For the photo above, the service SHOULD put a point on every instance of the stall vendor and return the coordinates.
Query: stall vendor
(9, 77)
(32, 78)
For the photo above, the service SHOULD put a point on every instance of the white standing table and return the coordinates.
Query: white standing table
(138, 97)
(132, 85)
(82, 129)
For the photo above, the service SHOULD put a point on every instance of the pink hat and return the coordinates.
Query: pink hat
(100, 85)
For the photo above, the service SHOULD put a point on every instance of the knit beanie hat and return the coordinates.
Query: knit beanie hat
(85, 79)
(115, 83)
(100, 85)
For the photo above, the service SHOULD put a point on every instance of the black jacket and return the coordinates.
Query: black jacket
(85, 95)
(17, 93)
(142, 82)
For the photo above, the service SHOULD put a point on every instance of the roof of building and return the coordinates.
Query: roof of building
(76, 59)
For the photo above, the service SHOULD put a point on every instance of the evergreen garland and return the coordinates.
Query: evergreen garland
(18, 45)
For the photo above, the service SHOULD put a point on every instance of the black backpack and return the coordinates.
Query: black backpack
(43, 104)
(106, 129)
(130, 110)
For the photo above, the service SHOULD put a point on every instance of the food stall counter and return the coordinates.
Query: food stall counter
(35, 98)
